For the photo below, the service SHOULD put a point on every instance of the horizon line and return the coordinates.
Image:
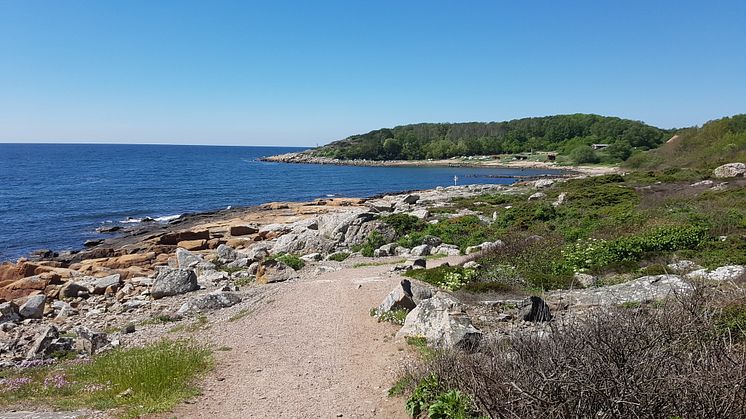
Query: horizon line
(126, 143)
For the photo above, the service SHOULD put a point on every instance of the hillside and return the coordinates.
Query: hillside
(715, 143)
(564, 133)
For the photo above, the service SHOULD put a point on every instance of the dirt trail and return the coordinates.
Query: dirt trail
(311, 350)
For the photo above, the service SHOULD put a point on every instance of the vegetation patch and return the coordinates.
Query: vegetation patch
(143, 380)
(291, 260)
(339, 256)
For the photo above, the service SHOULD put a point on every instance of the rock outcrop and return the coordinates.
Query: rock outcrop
(730, 170)
(173, 282)
(442, 320)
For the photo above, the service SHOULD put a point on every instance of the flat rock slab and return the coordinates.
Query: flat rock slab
(646, 288)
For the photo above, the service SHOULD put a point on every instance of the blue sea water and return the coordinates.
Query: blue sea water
(53, 196)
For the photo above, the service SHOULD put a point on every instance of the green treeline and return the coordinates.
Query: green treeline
(563, 133)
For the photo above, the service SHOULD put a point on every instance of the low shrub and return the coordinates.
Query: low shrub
(291, 260)
(451, 278)
(374, 241)
(670, 359)
(339, 256)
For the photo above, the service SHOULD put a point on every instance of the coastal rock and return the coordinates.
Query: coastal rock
(422, 250)
(15, 271)
(411, 199)
(26, 286)
(200, 244)
(47, 343)
(730, 170)
(209, 302)
(442, 320)
(646, 288)
(447, 249)
(559, 201)
(385, 250)
(226, 254)
(243, 230)
(537, 196)
(536, 310)
(89, 341)
(33, 308)
(723, 273)
(274, 271)
(73, 290)
(176, 237)
(173, 282)
(682, 266)
(584, 280)
(9, 312)
(420, 213)
(187, 259)
(101, 284)
(543, 183)
(400, 298)
(125, 261)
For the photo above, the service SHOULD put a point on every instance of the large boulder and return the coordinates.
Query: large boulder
(209, 302)
(26, 286)
(646, 288)
(47, 343)
(9, 312)
(173, 282)
(400, 298)
(274, 271)
(730, 170)
(14, 271)
(536, 310)
(421, 250)
(187, 259)
(73, 290)
(226, 254)
(33, 308)
(443, 322)
(723, 273)
(101, 284)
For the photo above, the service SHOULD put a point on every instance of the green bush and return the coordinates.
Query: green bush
(291, 260)
(583, 155)
(374, 241)
(451, 278)
(424, 394)
(452, 404)
(403, 224)
(339, 256)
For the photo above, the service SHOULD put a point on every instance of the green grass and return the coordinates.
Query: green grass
(198, 324)
(420, 343)
(143, 380)
(400, 386)
(383, 263)
(339, 256)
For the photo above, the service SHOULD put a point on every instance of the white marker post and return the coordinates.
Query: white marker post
(455, 180)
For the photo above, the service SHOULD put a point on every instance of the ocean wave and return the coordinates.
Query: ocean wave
(163, 219)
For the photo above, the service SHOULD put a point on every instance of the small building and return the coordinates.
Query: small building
(551, 157)
(599, 146)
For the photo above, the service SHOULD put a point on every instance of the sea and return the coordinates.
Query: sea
(54, 196)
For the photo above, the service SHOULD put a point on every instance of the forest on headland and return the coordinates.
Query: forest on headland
(567, 134)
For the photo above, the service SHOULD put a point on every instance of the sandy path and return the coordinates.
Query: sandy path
(311, 350)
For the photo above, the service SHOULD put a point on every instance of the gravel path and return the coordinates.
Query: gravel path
(311, 350)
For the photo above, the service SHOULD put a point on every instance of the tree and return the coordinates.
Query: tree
(583, 155)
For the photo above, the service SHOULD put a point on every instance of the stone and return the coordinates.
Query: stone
(212, 277)
(706, 182)
(472, 265)
(422, 250)
(33, 308)
(723, 273)
(543, 183)
(432, 241)
(537, 196)
(101, 284)
(187, 259)
(89, 341)
(385, 250)
(274, 271)
(447, 249)
(646, 288)
(560, 200)
(13, 272)
(41, 346)
(400, 298)
(584, 280)
(9, 312)
(411, 199)
(62, 310)
(175, 238)
(125, 261)
(419, 263)
(92, 242)
(443, 321)
(239, 263)
(420, 213)
(682, 266)
(73, 290)
(255, 253)
(25, 287)
(173, 282)
(199, 244)
(226, 254)
(536, 310)
(209, 302)
(243, 230)
(312, 257)
(472, 249)
(729, 170)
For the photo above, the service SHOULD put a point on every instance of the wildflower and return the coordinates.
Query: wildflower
(13, 384)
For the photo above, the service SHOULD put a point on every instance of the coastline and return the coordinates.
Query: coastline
(566, 171)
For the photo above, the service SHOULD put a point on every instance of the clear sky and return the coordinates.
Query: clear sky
(308, 72)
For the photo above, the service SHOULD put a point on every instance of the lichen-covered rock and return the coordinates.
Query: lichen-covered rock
(101, 284)
(723, 273)
(730, 170)
(400, 298)
(646, 288)
(226, 254)
(443, 322)
(9, 312)
(209, 302)
(173, 282)
(90, 341)
(187, 259)
(274, 271)
(422, 250)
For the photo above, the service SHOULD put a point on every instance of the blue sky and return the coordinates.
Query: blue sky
(302, 73)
